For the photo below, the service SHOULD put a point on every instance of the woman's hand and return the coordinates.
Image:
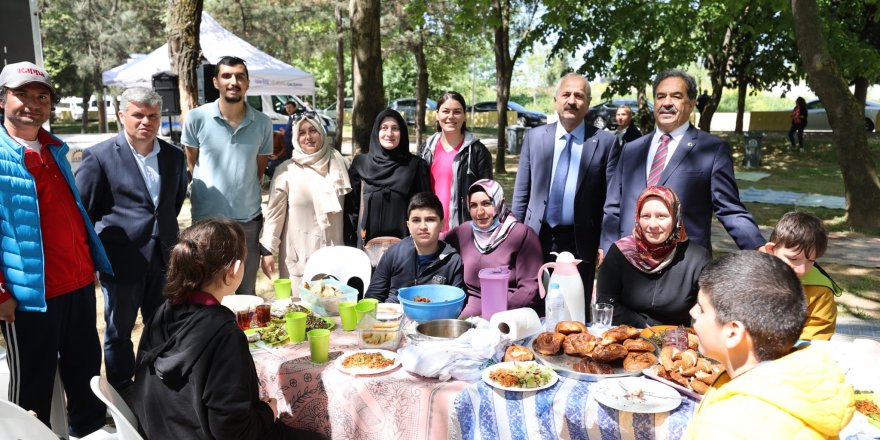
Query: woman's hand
(272, 404)
(267, 263)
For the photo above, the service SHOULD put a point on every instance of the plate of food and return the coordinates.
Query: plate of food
(867, 403)
(272, 335)
(573, 352)
(520, 376)
(372, 361)
(636, 395)
(685, 370)
(656, 335)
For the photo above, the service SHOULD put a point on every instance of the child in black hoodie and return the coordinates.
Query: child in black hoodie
(195, 378)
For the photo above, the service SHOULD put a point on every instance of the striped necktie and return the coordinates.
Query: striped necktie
(659, 160)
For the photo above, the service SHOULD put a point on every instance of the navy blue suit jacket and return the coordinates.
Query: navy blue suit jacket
(700, 172)
(532, 186)
(118, 203)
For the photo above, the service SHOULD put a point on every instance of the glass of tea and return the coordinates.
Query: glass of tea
(243, 317)
(263, 314)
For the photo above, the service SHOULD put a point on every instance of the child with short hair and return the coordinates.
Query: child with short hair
(420, 258)
(798, 239)
(195, 377)
(749, 313)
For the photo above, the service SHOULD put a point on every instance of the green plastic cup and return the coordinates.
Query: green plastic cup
(282, 288)
(348, 315)
(319, 345)
(295, 323)
(369, 300)
(364, 308)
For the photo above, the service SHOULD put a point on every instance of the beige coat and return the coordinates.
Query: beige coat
(291, 231)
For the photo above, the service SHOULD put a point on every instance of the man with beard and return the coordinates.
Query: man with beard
(228, 143)
(691, 162)
(563, 171)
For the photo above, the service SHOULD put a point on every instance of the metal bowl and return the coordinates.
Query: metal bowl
(443, 329)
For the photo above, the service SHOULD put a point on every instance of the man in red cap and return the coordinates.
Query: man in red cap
(50, 253)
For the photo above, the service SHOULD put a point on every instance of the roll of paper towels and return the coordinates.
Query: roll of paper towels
(516, 324)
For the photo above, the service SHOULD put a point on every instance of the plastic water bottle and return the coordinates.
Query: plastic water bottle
(555, 308)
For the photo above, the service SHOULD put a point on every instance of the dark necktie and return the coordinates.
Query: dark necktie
(659, 160)
(557, 188)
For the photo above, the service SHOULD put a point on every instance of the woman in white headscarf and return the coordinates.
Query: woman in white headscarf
(305, 202)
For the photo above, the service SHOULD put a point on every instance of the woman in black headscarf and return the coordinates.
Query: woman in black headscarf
(383, 181)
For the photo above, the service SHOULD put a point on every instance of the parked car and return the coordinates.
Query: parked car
(330, 111)
(603, 115)
(524, 116)
(407, 108)
(818, 119)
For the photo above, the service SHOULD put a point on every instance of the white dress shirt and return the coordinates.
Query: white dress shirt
(577, 148)
(149, 168)
(676, 134)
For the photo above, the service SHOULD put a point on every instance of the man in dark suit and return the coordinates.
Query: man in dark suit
(693, 163)
(133, 187)
(626, 130)
(564, 169)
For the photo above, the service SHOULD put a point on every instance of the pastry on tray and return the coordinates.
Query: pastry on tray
(549, 343)
(579, 344)
(591, 367)
(570, 327)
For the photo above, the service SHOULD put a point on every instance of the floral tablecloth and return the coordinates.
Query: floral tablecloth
(321, 399)
(565, 410)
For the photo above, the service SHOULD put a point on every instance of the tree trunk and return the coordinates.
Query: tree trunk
(86, 94)
(184, 51)
(740, 100)
(102, 109)
(369, 89)
(418, 49)
(340, 77)
(717, 63)
(503, 73)
(844, 114)
(644, 114)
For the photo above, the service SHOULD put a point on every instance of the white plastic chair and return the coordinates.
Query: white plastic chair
(4, 375)
(124, 419)
(342, 262)
(16, 423)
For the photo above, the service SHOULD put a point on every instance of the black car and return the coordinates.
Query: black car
(603, 115)
(524, 116)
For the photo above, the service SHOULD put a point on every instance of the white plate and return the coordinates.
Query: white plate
(687, 392)
(615, 393)
(240, 302)
(553, 376)
(361, 371)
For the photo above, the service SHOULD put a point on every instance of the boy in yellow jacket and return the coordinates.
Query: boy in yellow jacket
(798, 239)
(749, 313)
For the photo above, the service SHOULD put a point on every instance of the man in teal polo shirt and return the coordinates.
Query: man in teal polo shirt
(228, 143)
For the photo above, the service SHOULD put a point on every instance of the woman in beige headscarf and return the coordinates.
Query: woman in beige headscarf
(305, 202)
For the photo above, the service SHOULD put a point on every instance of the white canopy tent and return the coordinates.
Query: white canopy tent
(268, 75)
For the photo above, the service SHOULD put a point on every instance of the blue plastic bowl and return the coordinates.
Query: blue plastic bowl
(446, 302)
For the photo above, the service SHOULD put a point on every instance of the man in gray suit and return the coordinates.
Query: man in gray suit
(564, 170)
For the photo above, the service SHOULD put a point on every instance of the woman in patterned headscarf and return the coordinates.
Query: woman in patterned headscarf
(651, 275)
(305, 211)
(492, 238)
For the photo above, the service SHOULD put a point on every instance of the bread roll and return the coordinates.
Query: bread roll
(570, 327)
(638, 361)
(590, 367)
(638, 344)
(578, 344)
(548, 343)
(608, 353)
(518, 353)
